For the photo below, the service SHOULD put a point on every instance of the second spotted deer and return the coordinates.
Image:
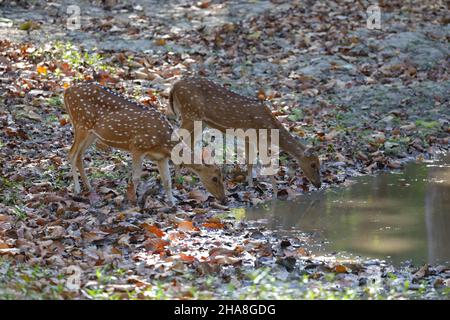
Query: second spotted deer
(97, 113)
(199, 99)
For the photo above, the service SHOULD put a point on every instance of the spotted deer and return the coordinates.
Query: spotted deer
(97, 113)
(199, 99)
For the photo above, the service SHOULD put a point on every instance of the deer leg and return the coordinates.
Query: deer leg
(86, 143)
(273, 180)
(249, 164)
(274, 186)
(189, 126)
(195, 136)
(225, 169)
(164, 172)
(73, 154)
(136, 166)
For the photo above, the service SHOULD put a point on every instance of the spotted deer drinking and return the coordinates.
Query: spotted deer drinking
(97, 113)
(199, 99)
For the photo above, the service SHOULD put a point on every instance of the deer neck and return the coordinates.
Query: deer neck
(289, 144)
(192, 167)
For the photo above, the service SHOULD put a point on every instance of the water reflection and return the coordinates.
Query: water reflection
(397, 216)
(437, 212)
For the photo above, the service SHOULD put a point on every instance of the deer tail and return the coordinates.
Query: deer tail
(171, 113)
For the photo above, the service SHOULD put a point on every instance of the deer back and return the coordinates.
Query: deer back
(115, 120)
(202, 99)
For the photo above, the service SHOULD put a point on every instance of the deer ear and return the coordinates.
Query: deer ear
(307, 153)
(311, 151)
(207, 156)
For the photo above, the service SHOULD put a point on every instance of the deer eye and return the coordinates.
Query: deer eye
(215, 179)
(313, 165)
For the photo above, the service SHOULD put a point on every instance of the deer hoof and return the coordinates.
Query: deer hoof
(171, 202)
(76, 189)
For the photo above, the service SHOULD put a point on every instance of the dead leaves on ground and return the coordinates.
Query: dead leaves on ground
(153, 229)
(155, 245)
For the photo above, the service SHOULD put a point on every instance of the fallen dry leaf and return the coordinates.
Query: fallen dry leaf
(153, 229)
(9, 251)
(340, 269)
(42, 70)
(4, 245)
(55, 232)
(94, 235)
(224, 260)
(4, 217)
(160, 42)
(187, 258)
(155, 245)
(422, 272)
(187, 226)
(213, 223)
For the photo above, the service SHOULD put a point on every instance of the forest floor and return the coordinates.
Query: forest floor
(372, 99)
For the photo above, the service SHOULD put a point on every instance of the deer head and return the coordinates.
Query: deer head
(211, 177)
(310, 165)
